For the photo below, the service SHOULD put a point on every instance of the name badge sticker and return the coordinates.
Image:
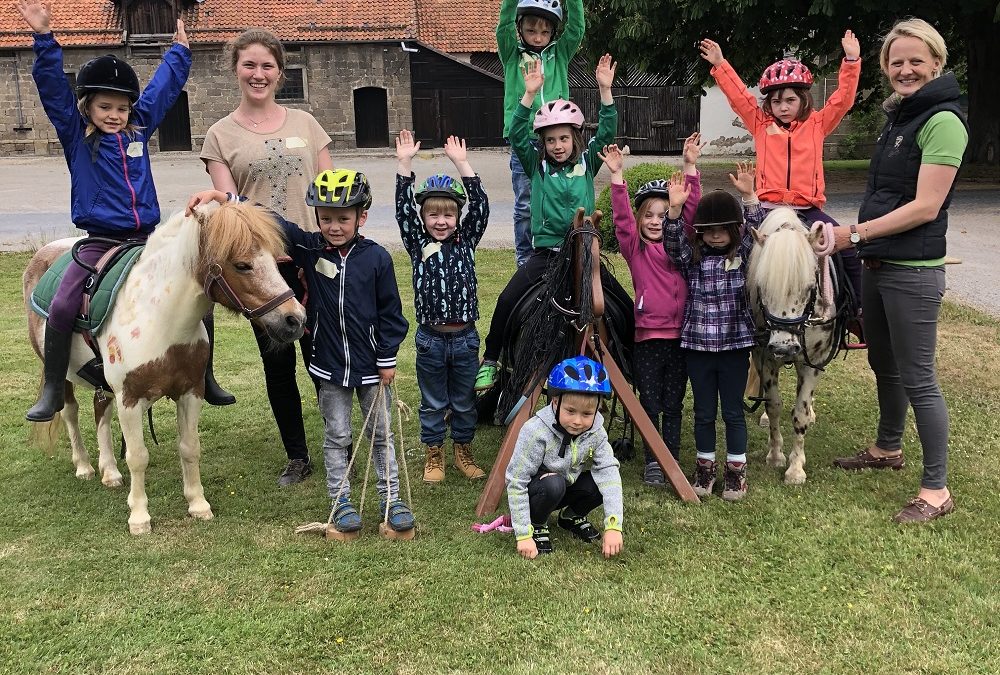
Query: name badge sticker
(134, 149)
(429, 250)
(294, 142)
(327, 268)
(733, 264)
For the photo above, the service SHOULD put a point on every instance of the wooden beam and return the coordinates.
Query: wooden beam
(496, 483)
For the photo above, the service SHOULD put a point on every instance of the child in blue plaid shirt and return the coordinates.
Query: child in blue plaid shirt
(717, 333)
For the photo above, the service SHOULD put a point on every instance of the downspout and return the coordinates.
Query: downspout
(17, 93)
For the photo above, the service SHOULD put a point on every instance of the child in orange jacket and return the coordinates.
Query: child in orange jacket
(788, 133)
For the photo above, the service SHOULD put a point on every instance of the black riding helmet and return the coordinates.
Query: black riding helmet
(107, 73)
(718, 207)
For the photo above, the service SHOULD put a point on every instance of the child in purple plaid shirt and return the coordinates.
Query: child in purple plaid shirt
(717, 333)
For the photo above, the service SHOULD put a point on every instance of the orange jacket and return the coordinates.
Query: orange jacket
(790, 161)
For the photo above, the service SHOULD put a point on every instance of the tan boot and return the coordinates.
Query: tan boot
(465, 463)
(434, 466)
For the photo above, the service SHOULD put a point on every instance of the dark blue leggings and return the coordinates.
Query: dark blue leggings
(546, 493)
(719, 377)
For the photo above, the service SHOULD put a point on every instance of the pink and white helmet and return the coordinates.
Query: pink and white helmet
(785, 73)
(558, 112)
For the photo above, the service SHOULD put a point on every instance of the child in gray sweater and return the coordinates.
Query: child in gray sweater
(563, 461)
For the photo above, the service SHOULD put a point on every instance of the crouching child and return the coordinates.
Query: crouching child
(563, 461)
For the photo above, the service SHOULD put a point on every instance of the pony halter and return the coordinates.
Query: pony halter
(214, 278)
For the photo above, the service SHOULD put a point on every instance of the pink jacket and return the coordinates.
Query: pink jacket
(660, 288)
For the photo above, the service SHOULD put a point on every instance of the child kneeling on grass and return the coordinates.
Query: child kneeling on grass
(359, 325)
(563, 460)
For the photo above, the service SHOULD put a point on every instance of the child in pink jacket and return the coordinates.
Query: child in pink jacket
(660, 294)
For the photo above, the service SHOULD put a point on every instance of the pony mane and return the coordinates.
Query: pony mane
(783, 268)
(238, 231)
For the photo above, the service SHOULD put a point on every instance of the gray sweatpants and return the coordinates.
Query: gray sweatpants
(901, 307)
(335, 403)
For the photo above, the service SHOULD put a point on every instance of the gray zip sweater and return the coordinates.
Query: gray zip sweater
(538, 445)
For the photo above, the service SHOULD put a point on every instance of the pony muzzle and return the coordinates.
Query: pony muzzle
(784, 346)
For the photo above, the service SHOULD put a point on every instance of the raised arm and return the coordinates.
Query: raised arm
(842, 99)
(626, 230)
(743, 103)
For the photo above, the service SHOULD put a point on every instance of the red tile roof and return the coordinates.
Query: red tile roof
(446, 25)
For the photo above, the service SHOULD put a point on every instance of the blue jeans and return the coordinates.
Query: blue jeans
(447, 364)
(718, 377)
(522, 210)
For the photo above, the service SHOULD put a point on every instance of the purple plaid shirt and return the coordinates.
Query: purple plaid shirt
(717, 314)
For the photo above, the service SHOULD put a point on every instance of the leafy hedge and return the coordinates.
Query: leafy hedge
(635, 177)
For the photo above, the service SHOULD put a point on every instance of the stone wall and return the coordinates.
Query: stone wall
(332, 72)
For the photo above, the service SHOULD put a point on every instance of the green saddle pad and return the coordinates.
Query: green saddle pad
(102, 299)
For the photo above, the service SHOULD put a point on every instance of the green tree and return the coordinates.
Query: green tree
(660, 36)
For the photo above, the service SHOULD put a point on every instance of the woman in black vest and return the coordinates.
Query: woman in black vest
(900, 237)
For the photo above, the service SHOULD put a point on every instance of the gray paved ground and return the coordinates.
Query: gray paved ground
(34, 208)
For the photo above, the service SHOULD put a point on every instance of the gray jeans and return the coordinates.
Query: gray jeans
(335, 403)
(901, 307)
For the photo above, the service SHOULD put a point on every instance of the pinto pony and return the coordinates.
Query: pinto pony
(797, 323)
(153, 343)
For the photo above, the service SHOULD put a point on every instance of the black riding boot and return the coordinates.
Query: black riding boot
(53, 396)
(214, 394)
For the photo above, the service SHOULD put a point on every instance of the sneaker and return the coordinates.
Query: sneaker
(703, 479)
(296, 471)
(735, 479)
(653, 476)
(400, 516)
(541, 536)
(579, 527)
(434, 465)
(345, 517)
(487, 376)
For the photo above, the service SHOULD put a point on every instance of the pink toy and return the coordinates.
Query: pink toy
(501, 524)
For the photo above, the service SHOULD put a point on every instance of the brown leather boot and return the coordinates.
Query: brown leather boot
(465, 463)
(434, 465)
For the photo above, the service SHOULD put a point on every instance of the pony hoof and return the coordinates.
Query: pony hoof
(764, 421)
(795, 478)
(137, 529)
(205, 514)
(113, 481)
(86, 473)
(776, 461)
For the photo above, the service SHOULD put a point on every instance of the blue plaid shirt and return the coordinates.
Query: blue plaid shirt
(717, 314)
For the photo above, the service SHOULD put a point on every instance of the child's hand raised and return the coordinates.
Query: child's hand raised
(180, 36)
(406, 149)
(605, 72)
(678, 191)
(612, 543)
(533, 78)
(454, 148)
(526, 549)
(37, 15)
(612, 158)
(710, 51)
(743, 180)
(852, 48)
(692, 148)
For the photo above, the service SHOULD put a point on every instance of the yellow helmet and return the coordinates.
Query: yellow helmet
(340, 188)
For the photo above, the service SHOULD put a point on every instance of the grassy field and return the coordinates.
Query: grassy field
(814, 579)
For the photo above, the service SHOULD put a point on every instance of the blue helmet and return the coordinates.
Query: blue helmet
(579, 374)
(547, 9)
(440, 185)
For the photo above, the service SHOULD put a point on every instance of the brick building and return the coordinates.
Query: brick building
(365, 70)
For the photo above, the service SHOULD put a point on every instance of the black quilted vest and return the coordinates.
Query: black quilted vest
(892, 174)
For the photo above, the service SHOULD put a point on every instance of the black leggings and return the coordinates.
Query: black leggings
(279, 376)
(548, 493)
(526, 276)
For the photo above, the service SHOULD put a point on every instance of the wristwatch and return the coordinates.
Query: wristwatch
(855, 236)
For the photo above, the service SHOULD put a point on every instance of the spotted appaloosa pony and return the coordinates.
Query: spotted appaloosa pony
(796, 324)
(153, 342)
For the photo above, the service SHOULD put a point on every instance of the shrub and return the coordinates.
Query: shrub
(859, 142)
(635, 177)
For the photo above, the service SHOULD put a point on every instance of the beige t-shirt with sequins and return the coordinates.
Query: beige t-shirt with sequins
(272, 169)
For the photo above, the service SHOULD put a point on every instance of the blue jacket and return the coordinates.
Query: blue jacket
(112, 189)
(354, 306)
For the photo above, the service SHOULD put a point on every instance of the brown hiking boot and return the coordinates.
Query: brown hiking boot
(434, 466)
(866, 460)
(465, 463)
(734, 481)
(703, 479)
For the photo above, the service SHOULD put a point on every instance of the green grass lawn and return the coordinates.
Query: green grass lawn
(793, 580)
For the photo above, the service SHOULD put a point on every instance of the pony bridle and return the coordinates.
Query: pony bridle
(796, 326)
(213, 277)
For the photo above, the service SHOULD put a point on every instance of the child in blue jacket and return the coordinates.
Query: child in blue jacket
(104, 131)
